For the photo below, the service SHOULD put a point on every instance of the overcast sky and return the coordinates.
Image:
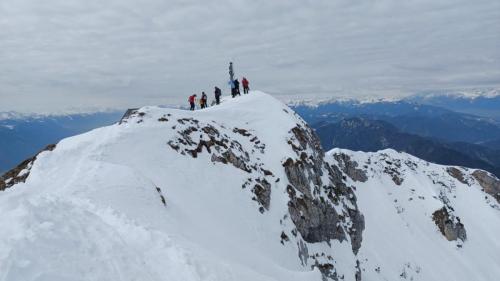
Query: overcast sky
(59, 55)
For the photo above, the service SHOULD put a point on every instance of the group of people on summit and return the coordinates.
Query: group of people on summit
(235, 87)
(235, 91)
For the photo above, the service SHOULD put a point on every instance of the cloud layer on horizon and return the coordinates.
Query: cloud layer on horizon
(62, 54)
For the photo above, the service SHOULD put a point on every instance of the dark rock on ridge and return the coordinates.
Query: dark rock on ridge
(489, 183)
(17, 175)
(450, 226)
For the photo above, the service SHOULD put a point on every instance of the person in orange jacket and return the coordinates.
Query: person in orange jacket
(203, 100)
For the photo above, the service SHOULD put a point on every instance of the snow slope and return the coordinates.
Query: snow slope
(239, 191)
(401, 240)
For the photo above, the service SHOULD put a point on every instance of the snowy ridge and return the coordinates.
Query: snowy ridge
(402, 198)
(240, 191)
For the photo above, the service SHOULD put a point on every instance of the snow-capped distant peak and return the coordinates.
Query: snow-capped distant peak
(341, 99)
(463, 94)
(10, 127)
(409, 97)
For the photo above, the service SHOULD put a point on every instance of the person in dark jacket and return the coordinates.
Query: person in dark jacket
(192, 100)
(245, 84)
(217, 93)
(237, 87)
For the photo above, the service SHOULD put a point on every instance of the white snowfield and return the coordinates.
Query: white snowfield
(401, 241)
(121, 203)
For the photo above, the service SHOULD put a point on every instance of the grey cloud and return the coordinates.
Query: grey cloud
(62, 54)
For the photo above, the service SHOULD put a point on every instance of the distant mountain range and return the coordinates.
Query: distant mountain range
(414, 125)
(374, 135)
(22, 136)
(425, 120)
(479, 102)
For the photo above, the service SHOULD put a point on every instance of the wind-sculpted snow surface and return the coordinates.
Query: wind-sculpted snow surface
(423, 221)
(240, 191)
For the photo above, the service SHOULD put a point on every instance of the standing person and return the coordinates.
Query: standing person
(231, 80)
(217, 93)
(192, 100)
(203, 100)
(231, 71)
(233, 89)
(236, 87)
(245, 84)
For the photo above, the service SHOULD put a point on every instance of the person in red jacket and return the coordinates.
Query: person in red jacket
(245, 84)
(192, 100)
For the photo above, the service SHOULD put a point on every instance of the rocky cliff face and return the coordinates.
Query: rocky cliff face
(322, 207)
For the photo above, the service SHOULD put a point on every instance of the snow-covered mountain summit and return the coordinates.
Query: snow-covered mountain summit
(239, 191)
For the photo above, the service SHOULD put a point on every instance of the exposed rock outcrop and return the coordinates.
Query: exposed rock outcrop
(489, 183)
(456, 173)
(195, 138)
(327, 270)
(316, 192)
(315, 219)
(21, 172)
(128, 114)
(350, 168)
(449, 225)
(262, 191)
